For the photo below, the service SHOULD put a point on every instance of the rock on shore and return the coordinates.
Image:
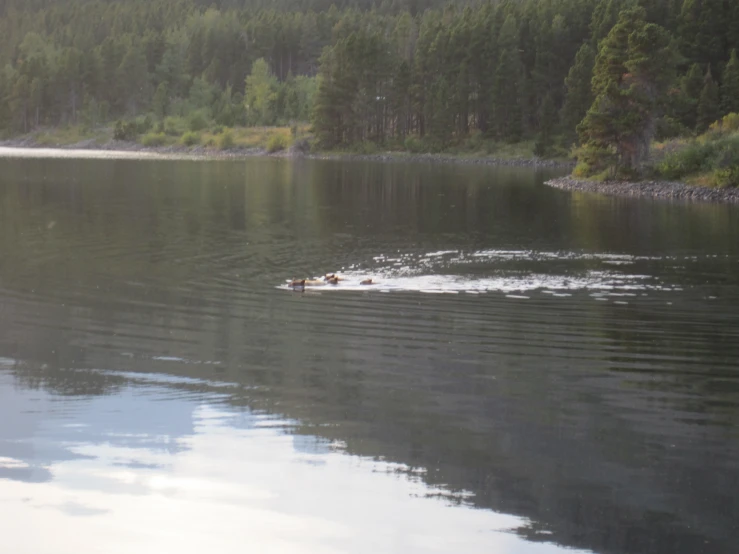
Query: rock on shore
(666, 190)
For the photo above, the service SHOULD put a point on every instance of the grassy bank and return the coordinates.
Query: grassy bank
(711, 159)
(188, 134)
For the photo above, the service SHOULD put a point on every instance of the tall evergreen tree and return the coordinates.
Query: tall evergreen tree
(730, 86)
(547, 124)
(579, 91)
(708, 105)
(632, 70)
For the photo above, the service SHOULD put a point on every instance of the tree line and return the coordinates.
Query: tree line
(420, 73)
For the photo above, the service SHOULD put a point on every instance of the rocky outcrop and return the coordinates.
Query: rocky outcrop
(665, 190)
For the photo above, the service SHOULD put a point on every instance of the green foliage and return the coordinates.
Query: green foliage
(727, 124)
(154, 139)
(730, 86)
(725, 178)
(708, 105)
(547, 123)
(444, 74)
(190, 138)
(197, 120)
(260, 94)
(579, 93)
(413, 145)
(125, 130)
(714, 155)
(175, 126)
(277, 143)
(226, 140)
(668, 127)
(632, 71)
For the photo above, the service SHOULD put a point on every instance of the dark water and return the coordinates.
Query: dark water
(536, 371)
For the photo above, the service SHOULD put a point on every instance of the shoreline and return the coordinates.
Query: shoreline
(202, 152)
(658, 190)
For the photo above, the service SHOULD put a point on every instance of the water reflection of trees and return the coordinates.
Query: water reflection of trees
(488, 396)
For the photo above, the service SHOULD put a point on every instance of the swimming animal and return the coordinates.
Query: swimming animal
(297, 284)
(328, 279)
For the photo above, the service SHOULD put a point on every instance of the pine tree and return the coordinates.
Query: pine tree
(632, 69)
(579, 92)
(547, 123)
(730, 86)
(709, 105)
(160, 102)
(684, 106)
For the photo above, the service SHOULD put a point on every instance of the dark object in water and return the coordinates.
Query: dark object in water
(297, 284)
(366, 282)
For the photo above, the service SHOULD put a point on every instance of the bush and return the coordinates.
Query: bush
(725, 178)
(691, 159)
(143, 124)
(667, 128)
(277, 143)
(124, 130)
(728, 124)
(154, 139)
(174, 126)
(414, 145)
(365, 147)
(190, 138)
(197, 121)
(218, 129)
(226, 140)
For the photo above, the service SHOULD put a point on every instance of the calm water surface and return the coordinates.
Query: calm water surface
(537, 371)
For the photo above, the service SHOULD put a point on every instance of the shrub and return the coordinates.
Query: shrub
(667, 128)
(218, 129)
(190, 138)
(277, 143)
(154, 139)
(302, 145)
(725, 178)
(174, 126)
(226, 140)
(124, 130)
(143, 124)
(727, 124)
(197, 121)
(414, 145)
(365, 147)
(691, 159)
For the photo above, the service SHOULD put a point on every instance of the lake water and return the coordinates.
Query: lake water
(535, 371)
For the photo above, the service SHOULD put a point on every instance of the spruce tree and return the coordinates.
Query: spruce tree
(547, 123)
(579, 92)
(632, 70)
(709, 105)
(730, 86)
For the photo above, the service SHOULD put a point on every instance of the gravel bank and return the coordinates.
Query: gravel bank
(652, 189)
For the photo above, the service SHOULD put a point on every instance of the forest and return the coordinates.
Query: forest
(602, 76)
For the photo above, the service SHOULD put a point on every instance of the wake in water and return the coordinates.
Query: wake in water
(478, 272)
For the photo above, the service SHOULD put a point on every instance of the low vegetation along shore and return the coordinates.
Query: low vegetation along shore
(704, 168)
(220, 142)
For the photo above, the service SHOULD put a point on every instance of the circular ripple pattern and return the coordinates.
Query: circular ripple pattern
(576, 364)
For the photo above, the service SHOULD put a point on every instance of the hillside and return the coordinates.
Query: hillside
(402, 74)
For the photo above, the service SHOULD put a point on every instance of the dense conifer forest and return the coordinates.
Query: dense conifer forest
(423, 75)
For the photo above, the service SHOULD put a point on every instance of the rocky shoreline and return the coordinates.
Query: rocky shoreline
(293, 152)
(663, 190)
